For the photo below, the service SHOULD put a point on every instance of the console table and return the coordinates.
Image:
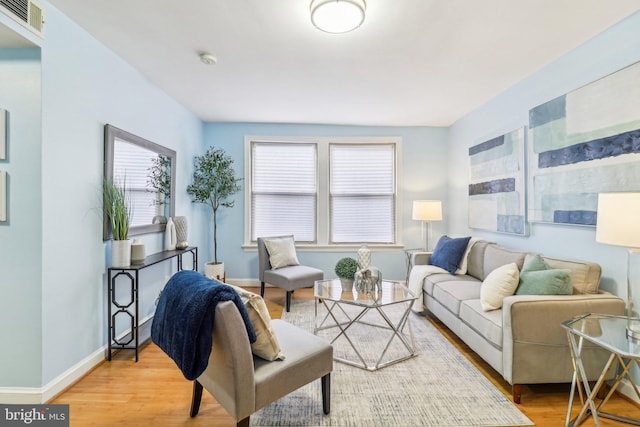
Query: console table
(118, 309)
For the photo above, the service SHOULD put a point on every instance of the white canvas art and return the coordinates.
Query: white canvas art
(3, 196)
(3, 134)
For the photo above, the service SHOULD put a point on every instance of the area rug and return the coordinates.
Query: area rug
(437, 387)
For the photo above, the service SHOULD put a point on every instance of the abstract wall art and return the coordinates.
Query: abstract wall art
(584, 143)
(497, 184)
(3, 196)
(3, 133)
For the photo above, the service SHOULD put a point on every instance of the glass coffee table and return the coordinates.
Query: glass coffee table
(608, 333)
(373, 325)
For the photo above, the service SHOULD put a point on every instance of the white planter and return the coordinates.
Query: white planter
(120, 253)
(214, 270)
(346, 284)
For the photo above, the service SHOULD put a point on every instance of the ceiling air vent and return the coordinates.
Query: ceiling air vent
(26, 12)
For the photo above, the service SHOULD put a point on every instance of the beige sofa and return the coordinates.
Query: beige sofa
(523, 340)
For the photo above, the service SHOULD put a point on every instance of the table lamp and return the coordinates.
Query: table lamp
(427, 211)
(618, 224)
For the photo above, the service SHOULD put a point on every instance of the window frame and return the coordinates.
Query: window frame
(323, 232)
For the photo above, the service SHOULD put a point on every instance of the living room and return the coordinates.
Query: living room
(62, 89)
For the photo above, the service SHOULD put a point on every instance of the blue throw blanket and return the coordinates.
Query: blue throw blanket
(183, 322)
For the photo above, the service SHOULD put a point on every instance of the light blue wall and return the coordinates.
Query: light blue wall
(423, 175)
(20, 254)
(606, 53)
(53, 247)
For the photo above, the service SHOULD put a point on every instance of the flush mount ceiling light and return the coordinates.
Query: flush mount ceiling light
(337, 16)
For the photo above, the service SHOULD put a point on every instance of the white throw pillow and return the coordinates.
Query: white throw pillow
(500, 283)
(282, 252)
(266, 345)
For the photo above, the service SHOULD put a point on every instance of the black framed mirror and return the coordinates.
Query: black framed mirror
(149, 172)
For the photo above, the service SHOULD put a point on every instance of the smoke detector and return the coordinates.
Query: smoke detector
(208, 58)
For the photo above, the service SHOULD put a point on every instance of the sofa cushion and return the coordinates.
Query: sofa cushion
(475, 259)
(432, 279)
(496, 256)
(500, 283)
(448, 253)
(486, 323)
(451, 293)
(585, 275)
(538, 278)
(464, 261)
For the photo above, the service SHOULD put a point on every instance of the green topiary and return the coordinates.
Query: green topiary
(346, 268)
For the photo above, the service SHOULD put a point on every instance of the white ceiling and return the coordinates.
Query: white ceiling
(413, 62)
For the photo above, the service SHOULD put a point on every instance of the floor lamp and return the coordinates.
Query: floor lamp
(619, 224)
(427, 211)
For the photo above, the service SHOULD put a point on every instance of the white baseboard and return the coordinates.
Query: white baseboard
(38, 395)
(245, 282)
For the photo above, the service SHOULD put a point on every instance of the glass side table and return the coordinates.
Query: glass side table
(608, 333)
(339, 317)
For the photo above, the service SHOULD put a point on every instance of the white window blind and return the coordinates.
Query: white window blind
(362, 193)
(133, 164)
(284, 190)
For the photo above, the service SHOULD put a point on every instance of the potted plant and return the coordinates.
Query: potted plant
(346, 269)
(214, 181)
(117, 209)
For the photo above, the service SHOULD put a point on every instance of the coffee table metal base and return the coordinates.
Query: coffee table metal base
(330, 321)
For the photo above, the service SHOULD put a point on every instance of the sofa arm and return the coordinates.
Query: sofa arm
(537, 318)
(420, 258)
(534, 344)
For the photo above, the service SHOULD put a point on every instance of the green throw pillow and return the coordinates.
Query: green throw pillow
(535, 264)
(545, 282)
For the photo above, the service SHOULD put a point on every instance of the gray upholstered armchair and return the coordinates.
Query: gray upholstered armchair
(289, 277)
(243, 383)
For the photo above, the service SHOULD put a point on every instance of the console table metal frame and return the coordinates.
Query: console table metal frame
(610, 335)
(123, 308)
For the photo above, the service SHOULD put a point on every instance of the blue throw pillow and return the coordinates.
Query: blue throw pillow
(449, 252)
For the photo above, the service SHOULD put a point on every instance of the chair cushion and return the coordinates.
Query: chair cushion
(309, 357)
(293, 277)
(266, 345)
(282, 251)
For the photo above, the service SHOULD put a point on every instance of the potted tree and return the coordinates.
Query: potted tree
(117, 208)
(214, 181)
(346, 269)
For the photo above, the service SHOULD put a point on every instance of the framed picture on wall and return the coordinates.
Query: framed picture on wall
(497, 184)
(584, 143)
(3, 133)
(3, 196)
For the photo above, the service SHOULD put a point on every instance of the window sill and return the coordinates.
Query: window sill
(332, 248)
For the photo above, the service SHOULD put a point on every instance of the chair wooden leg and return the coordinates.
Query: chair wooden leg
(288, 303)
(262, 289)
(326, 393)
(243, 423)
(196, 398)
(516, 390)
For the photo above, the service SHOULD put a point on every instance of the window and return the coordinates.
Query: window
(362, 193)
(324, 191)
(284, 190)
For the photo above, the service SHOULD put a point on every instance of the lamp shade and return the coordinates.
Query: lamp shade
(618, 220)
(337, 16)
(427, 210)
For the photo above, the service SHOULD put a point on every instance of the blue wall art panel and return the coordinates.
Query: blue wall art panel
(584, 143)
(497, 184)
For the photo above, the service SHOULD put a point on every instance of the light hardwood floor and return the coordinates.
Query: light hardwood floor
(153, 392)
